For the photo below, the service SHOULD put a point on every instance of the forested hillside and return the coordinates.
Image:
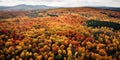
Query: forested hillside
(60, 34)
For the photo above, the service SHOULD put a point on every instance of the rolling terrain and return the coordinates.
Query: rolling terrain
(82, 33)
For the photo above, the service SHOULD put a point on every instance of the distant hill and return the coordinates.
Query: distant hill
(110, 8)
(3, 7)
(24, 7)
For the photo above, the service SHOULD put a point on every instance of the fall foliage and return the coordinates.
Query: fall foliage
(59, 34)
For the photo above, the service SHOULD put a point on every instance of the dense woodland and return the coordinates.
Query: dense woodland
(96, 23)
(60, 34)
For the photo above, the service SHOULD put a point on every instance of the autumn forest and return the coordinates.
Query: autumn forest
(82, 33)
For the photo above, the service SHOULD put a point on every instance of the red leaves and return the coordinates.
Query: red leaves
(72, 35)
(54, 48)
(4, 31)
(79, 37)
(41, 49)
(73, 42)
(17, 41)
(89, 39)
(1, 42)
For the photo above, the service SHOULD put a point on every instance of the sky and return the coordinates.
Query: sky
(65, 3)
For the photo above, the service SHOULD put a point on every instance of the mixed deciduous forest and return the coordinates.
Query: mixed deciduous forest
(60, 34)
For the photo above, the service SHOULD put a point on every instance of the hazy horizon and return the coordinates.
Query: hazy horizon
(65, 3)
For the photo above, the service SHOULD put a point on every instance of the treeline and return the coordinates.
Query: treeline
(10, 14)
(96, 23)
